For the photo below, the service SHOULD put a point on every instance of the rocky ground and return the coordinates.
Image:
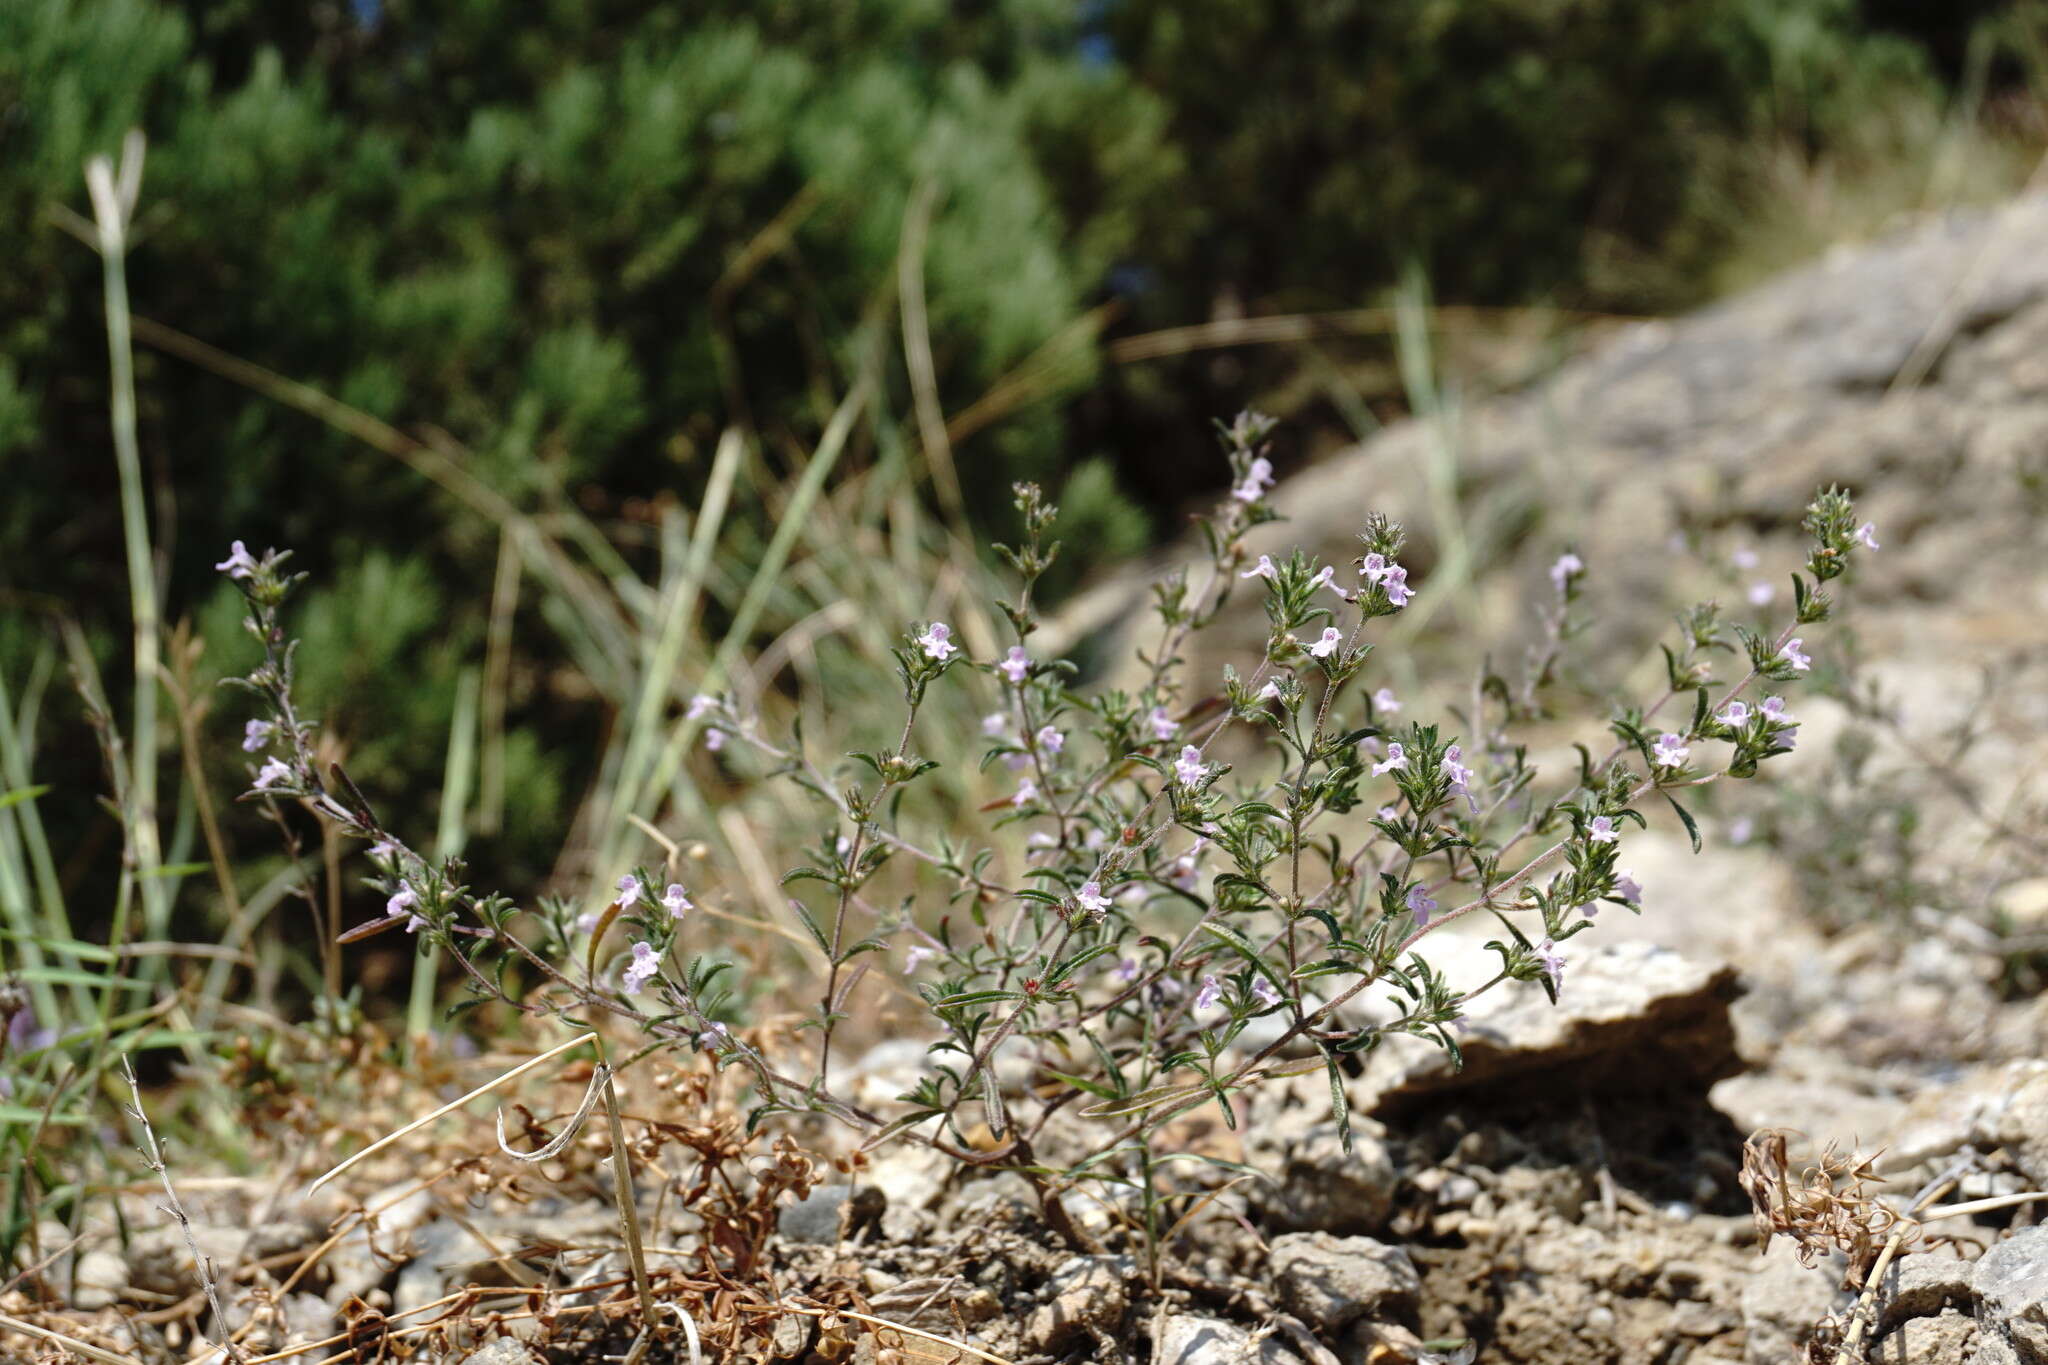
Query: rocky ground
(1855, 955)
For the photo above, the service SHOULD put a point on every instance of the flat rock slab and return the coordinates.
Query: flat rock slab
(1631, 1016)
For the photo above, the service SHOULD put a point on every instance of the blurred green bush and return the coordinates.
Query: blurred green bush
(584, 239)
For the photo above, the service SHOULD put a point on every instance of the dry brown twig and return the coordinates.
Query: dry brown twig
(153, 1155)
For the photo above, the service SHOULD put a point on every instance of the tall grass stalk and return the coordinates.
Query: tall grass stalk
(28, 873)
(680, 599)
(458, 778)
(113, 192)
(640, 793)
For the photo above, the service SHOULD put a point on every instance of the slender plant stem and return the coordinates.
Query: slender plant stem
(113, 202)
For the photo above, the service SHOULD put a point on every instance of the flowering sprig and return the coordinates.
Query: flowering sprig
(1160, 865)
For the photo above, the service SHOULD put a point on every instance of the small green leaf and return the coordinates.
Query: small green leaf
(1146, 1099)
(992, 1103)
(966, 998)
(1340, 1104)
(178, 870)
(818, 935)
(21, 794)
(895, 1126)
(1095, 1088)
(1076, 962)
(1690, 827)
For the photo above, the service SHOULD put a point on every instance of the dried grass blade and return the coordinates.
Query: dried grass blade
(68, 1343)
(452, 1106)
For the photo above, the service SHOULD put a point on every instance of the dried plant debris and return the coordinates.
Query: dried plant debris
(1830, 1206)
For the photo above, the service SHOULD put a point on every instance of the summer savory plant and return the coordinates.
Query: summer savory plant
(1136, 903)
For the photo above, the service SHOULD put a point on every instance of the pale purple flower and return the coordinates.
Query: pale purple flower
(1373, 567)
(700, 704)
(714, 739)
(1740, 830)
(1263, 992)
(1189, 767)
(1385, 700)
(717, 1035)
(270, 774)
(1090, 897)
(1626, 887)
(1568, 566)
(1396, 585)
(383, 850)
(1867, 534)
(256, 736)
(1051, 740)
(586, 922)
(646, 962)
(1323, 577)
(1015, 665)
(1601, 830)
(1670, 751)
(1258, 477)
(1210, 996)
(676, 901)
(1332, 637)
(1126, 971)
(994, 724)
(1163, 726)
(1270, 692)
(1263, 569)
(1027, 792)
(239, 563)
(26, 1034)
(1784, 730)
(1744, 559)
(629, 889)
(404, 900)
(1734, 713)
(1553, 963)
(1762, 594)
(1016, 762)
(1590, 909)
(915, 956)
(1396, 761)
(937, 642)
(1791, 655)
(1420, 904)
(1387, 813)
(1456, 773)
